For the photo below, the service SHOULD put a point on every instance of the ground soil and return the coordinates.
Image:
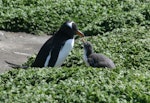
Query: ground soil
(17, 47)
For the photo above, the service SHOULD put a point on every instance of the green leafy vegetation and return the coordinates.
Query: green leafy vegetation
(129, 48)
(93, 17)
(120, 29)
(75, 84)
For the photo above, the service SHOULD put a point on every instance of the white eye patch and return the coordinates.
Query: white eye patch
(70, 24)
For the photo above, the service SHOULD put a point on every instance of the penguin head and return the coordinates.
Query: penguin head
(70, 28)
(88, 48)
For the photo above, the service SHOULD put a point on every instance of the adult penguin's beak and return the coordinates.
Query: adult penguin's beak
(80, 33)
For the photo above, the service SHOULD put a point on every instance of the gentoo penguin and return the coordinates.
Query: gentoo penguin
(57, 48)
(94, 59)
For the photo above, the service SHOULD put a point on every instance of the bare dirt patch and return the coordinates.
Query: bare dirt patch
(16, 47)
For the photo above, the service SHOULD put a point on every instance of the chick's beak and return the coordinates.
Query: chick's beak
(83, 40)
(80, 33)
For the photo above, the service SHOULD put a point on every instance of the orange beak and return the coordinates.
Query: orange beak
(80, 33)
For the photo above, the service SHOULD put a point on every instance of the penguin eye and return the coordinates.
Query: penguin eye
(87, 46)
(74, 26)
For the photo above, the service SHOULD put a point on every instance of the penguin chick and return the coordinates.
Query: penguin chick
(95, 59)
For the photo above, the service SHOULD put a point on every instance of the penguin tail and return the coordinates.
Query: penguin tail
(16, 66)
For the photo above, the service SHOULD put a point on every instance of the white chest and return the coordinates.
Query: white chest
(64, 52)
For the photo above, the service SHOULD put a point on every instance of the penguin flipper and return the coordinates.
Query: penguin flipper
(43, 53)
(54, 55)
(16, 66)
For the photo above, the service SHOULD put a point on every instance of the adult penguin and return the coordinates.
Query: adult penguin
(56, 49)
(95, 59)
